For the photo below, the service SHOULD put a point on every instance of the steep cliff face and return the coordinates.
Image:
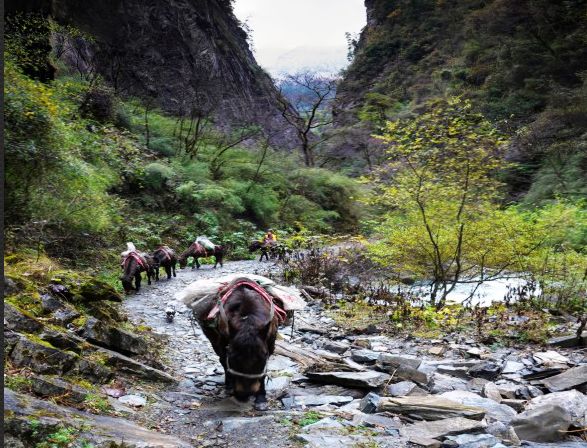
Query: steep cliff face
(523, 63)
(185, 56)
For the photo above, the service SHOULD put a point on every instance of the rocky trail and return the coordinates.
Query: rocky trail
(455, 390)
(327, 387)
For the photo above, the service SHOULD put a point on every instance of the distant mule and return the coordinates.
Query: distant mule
(133, 263)
(196, 250)
(164, 257)
(268, 250)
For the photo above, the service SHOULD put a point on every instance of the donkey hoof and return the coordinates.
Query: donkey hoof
(261, 406)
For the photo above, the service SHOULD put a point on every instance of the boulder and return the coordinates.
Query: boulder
(19, 321)
(50, 303)
(403, 368)
(82, 288)
(567, 380)
(369, 403)
(96, 430)
(365, 356)
(368, 380)
(404, 389)
(429, 407)
(459, 372)
(513, 367)
(542, 424)
(551, 358)
(95, 372)
(41, 357)
(122, 341)
(488, 370)
(64, 316)
(572, 400)
(516, 405)
(493, 410)
(336, 347)
(442, 428)
(52, 387)
(443, 383)
(491, 391)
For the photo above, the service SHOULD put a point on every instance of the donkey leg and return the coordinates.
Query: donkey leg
(137, 281)
(173, 267)
(261, 398)
(168, 272)
(197, 263)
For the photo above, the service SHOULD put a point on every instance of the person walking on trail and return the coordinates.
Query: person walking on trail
(270, 237)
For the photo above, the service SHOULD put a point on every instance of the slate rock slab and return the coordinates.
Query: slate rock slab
(488, 370)
(315, 400)
(96, 429)
(52, 387)
(365, 356)
(492, 409)
(429, 407)
(369, 379)
(572, 400)
(41, 357)
(542, 424)
(567, 380)
(442, 428)
(18, 321)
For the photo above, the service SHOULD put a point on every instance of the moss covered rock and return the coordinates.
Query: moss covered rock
(41, 357)
(82, 288)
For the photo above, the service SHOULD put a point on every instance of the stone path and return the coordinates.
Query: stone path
(453, 389)
(197, 410)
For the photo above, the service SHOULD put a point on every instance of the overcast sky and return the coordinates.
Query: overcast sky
(283, 25)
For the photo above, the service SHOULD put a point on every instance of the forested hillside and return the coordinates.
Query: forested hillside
(522, 63)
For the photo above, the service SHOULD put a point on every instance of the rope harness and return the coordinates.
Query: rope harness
(226, 291)
(165, 252)
(135, 256)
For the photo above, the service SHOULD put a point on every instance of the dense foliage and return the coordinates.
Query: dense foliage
(88, 170)
(444, 214)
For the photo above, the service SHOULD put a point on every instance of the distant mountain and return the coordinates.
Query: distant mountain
(323, 60)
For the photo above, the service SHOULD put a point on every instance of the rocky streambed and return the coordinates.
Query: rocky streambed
(330, 388)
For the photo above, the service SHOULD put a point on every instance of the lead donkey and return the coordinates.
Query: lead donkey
(241, 324)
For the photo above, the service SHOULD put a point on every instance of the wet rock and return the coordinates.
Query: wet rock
(122, 341)
(404, 389)
(572, 400)
(52, 387)
(492, 409)
(336, 347)
(403, 368)
(551, 358)
(369, 402)
(369, 379)
(443, 383)
(50, 303)
(365, 356)
(542, 424)
(491, 391)
(512, 367)
(41, 357)
(94, 371)
(487, 370)
(19, 321)
(63, 341)
(98, 430)
(315, 400)
(476, 441)
(459, 372)
(391, 362)
(133, 400)
(429, 407)
(442, 428)
(527, 392)
(567, 380)
(83, 288)
(64, 316)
